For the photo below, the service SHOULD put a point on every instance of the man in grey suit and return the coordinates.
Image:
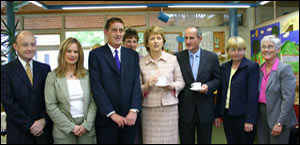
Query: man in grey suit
(277, 91)
(197, 108)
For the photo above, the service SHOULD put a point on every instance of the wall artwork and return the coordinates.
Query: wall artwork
(257, 35)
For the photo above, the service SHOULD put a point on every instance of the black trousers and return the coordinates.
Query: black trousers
(187, 131)
(116, 135)
(234, 130)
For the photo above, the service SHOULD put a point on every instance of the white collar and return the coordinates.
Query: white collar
(113, 49)
(24, 63)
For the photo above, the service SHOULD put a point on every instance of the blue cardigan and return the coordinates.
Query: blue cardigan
(244, 91)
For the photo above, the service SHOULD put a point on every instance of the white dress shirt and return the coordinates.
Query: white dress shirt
(113, 51)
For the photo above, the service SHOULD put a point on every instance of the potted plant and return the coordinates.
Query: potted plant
(7, 45)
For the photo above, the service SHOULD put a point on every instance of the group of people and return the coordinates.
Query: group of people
(121, 97)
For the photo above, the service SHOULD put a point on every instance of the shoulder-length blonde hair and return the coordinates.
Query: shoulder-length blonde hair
(155, 30)
(80, 71)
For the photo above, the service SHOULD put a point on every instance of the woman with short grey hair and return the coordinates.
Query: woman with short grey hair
(277, 85)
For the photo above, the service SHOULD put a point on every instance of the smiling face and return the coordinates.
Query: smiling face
(155, 42)
(25, 45)
(115, 34)
(131, 43)
(269, 51)
(72, 54)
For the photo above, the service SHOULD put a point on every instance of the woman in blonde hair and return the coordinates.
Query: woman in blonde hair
(68, 97)
(161, 82)
(238, 94)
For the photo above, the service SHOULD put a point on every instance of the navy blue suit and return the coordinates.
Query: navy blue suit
(24, 103)
(243, 102)
(114, 90)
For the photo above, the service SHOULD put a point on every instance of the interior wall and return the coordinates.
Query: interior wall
(243, 31)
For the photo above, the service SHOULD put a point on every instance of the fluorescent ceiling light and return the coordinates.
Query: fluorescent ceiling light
(264, 2)
(210, 6)
(37, 3)
(103, 7)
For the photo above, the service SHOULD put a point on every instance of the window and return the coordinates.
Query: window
(286, 7)
(50, 57)
(264, 13)
(47, 39)
(87, 38)
(200, 19)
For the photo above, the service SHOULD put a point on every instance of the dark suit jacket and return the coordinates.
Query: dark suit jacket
(243, 92)
(22, 102)
(208, 73)
(114, 90)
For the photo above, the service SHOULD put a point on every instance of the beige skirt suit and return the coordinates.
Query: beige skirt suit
(160, 106)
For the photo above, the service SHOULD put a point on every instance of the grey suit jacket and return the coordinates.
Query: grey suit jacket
(280, 94)
(58, 105)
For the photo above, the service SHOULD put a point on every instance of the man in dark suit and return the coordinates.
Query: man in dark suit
(114, 72)
(22, 95)
(197, 108)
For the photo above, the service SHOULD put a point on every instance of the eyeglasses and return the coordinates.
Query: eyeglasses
(264, 47)
(236, 49)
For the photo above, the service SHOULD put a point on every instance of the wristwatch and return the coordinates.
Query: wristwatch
(279, 124)
(134, 110)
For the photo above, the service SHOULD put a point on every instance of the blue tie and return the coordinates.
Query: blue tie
(194, 67)
(117, 60)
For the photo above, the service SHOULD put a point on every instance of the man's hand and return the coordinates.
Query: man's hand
(131, 118)
(204, 89)
(121, 121)
(276, 130)
(37, 127)
(248, 127)
(217, 122)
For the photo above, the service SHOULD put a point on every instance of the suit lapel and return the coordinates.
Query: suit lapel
(271, 78)
(187, 64)
(62, 82)
(227, 70)
(202, 63)
(124, 60)
(35, 73)
(85, 88)
(261, 75)
(109, 57)
(20, 71)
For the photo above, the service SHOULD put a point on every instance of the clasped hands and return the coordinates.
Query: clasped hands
(37, 127)
(79, 130)
(129, 120)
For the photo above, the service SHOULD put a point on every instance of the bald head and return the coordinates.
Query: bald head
(21, 35)
(25, 45)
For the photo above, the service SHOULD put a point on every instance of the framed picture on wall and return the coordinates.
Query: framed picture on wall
(172, 44)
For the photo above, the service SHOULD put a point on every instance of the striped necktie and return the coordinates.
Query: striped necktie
(29, 73)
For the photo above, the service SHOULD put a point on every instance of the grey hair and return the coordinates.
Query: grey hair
(276, 41)
(199, 32)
